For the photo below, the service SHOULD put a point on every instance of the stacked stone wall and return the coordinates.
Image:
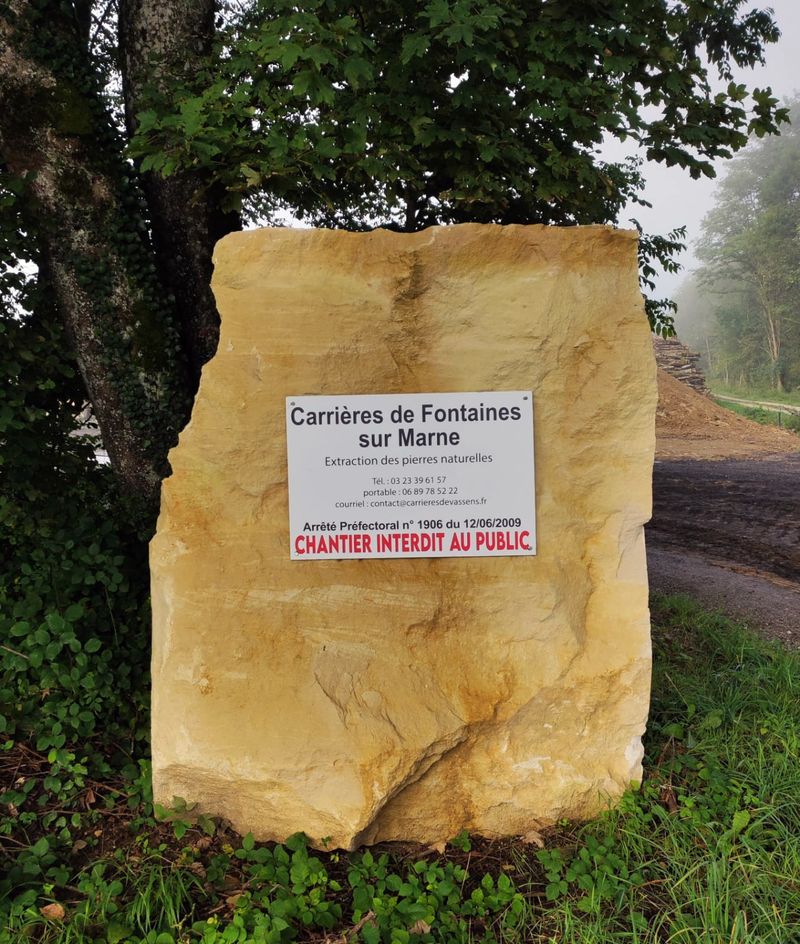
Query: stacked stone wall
(681, 362)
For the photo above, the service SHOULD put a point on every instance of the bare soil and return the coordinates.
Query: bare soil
(692, 426)
(728, 532)
(726, 512)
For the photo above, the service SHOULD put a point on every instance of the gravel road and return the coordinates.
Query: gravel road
(728, 533)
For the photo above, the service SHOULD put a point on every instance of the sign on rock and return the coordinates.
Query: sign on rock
(408, 700)
(411, 475)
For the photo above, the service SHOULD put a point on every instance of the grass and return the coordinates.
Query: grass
(707, 851)
(762, 415)
(791, 398)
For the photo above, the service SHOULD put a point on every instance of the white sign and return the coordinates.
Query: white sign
(411, 475)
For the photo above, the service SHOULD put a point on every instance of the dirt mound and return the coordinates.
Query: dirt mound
(691, 426)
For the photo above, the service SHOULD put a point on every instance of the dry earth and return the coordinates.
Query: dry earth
(691, 426)
(726, 513)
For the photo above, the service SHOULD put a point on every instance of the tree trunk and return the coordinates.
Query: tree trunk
(161, 40)
(56, 133)
(773, 326)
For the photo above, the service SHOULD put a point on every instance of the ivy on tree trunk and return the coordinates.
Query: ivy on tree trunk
(56, 134)
(160, 42)
(139, 314)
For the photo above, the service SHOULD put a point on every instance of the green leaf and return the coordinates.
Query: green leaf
(438, 12)
(370, 934)
(150, 162)
(741, 818)
(252, 177)
(460, 33)
(414, 45)
(145, 120)
(289, 54)
(56, 622)
(73, 612)
(303, 82)
(192, 116)
(357, 71)
(117, 932)
(41, 847)
(713, 720)
(362, 899)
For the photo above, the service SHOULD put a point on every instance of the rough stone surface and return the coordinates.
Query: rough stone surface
(681, 362)
(368, 700)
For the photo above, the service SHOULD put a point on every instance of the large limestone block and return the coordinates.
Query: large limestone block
(366, 700)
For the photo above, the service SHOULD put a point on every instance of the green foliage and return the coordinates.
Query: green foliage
(759, 414)
(791, 421)
(452, 112)
(73, 596)
(707, 849)
(183, 817)
(406, 114)
(766, 417)
(282, 893)
(659, 251)
(429, 897)
(597, 870)
(286, 890)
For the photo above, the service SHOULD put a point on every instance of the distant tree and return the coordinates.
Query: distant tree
(695, 323)
(750, 247)
(395, 113)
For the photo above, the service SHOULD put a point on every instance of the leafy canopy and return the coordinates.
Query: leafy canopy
(406, 114)
(409, 114)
